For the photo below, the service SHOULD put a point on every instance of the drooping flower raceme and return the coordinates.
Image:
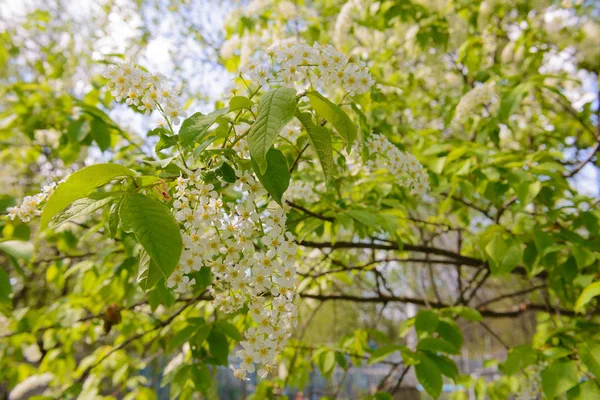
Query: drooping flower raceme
(343, 23)
(251, 257)
(483, 95)
(297, 64)
(30, 206)
(404, 167)
(146, 91)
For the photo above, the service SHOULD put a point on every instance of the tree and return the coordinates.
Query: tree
(385, 183)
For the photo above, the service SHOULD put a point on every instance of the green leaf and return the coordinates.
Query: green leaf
(340, 358)
(155, 229)
(275, 109)
(148, 272)
(113, 218)
(589, 353)
(426, 321)
(320, 140)
(450, 331)
(384, 352)
(446, 365)
(588, 390)
(559, 377)
(240, 102)
(226, 172)
(437, 345)
(528, 191)
(468, 313)
(326, 362)
(201, 378)
(83, 207)
(229, 329)
(511, 101)
(335, 115)
(5, 287)
(101, 133)
(18, 249)
(587, 295)
(218, 346)
(496, 250)
(195, 128)
(519, 358)
(81, 184)
(429, 375)
(182, 336)
(276, 177)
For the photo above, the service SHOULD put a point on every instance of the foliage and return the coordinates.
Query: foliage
(392, 183)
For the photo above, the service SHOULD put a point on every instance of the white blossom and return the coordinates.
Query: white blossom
(144, 90)
(405, 167)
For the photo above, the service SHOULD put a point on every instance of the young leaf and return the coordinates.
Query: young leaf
(82, 207)
(101, 133)
(240, 102)
(429, 375)
(450, 331)
(81, 184)
(437, 345)
(276, 178)
(446, 365)
(590, 355)
(155, 229)
(275, 109)
(384, 352)
(320, 140)
(519, 358)
(558, 378)
(148, 272)
(591, 291)
(426, 321)
(335, 115)
(194, 128)
(218, 346)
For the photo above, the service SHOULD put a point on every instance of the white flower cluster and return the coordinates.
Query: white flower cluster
(144, 90)
(300, 191)
(290, 63)
(29, 207)
(34, 385)
(343, 22)
(483, 95)
(403, 166)
(251, 257)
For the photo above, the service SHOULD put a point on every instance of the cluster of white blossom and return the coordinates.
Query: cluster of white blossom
(298, 64)
(29, 207)
(251, 257)
(483, 95)
(343, 22)
(144, 90)
(35, 385)
(403, 166)
(301, 191)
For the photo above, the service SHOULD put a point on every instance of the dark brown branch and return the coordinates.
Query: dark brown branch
(308, 212)
(465, 260)
(295, 164)
(509, 313)
(366, 266)
(510, 295)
